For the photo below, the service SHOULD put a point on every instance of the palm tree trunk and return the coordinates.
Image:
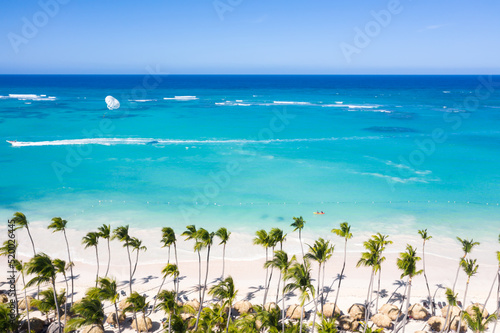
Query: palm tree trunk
(465, 297)
(70, 268)
(159, 289)
(447, 322)
(316, 299)
(267, 275)
(109, 259)
(199, 274)
(456, 276)
(204, 289)
(498, 302)
(407, 304)
(130, 271)
(341, 274)
(57, 304)
(323, 294)
(26, 303)
(136, 261)
(223, 260)
(34, 254)
(117, 318)
(301, 315)
(283, 308)
(177, 264)
(136, 321)
(228, 314)
(65, 303)
(278, 290)
(378, 289)
(301, 246)
(431, 301)
(97, 257)
(368, 302)
(491, 289)
(267, 287)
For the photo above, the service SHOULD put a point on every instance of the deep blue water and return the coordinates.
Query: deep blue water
(393, 152)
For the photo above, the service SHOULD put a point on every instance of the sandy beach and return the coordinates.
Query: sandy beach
(244, 262)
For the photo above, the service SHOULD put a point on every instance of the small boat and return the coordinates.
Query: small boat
(11, 142)
(318, 213)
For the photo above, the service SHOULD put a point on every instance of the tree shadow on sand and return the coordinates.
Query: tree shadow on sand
(251, 295)
(328, 289)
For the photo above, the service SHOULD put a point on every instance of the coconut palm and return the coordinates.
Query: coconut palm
(167, 240)
(107, 291)
(269, 319)
(42, 266)
(168, 270)
(425, 237)
(7, 323)
(18, 266)
(191, 233)
(60, 266)
(298, 224)
(58, 224)
(137, 303)
(121, 233)
(407, 262)
(451, 297)
(467, 246)
(320, 252)
(92, 239)
(223, 235)
(226, 293)
(281, 262)
(299, 277)
(105, 233)
(477, 323)
(21, 221)
(262, 238)
(470, 268)
(136, 245)
(48, 303)
(345, 232)
(88, 312)
(205, 240)
(383, 241)
(168, 304)
(275, 236)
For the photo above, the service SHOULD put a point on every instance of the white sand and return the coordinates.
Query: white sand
(245, 261)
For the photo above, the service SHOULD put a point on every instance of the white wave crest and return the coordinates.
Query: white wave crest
(291, 103)
(29, 97)
(181, 98)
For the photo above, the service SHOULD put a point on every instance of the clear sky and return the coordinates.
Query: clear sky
(250, 36)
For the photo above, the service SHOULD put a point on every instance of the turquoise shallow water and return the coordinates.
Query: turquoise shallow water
(248, 152)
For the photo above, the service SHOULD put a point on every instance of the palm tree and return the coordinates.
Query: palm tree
(137, 304)
(205, 240)
(92, 239)
(225, 291)
(108, 291)
(223, 234)
(407, 262)
(262, 238)
(59, 224)
(299, 276)
(320, 252)
(277, 236)
(192, 233)
(372, 259)
(105, 233)
(281, 262)
(60, 266)
(21, 221)
(425, 237)
(8, 248)
(477, 323)
(497, 276)
(88, 312)
(345, 232)
(48, 303)
(7, 323)
(42, 266)
(168, 270)
(470, 268)
(298, 224)
(136, 245)
(18, 266)
(451, 297)
(383, 241)
(168, 304)
(467, 246)
(168, 239)
(121, 233)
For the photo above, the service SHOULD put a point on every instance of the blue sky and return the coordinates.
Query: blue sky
(250, 36)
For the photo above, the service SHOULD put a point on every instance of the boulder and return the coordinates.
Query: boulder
(471, 312)
(4, 298)
(143, 326)
(36, 324)
(454, 311)
(112, 318)
(436, 323)
(293, 312)
(357, 312)
(454, 325)
(123, 304)
(390, 310)
(194, 304)
(346, 323)
(382, 320)
(93, 329)
(22, 303)
(328, 310)
(271, 305)
(243, 307)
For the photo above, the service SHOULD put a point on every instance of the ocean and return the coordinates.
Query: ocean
(386, 153)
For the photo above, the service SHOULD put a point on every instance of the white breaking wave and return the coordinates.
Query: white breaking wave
(151, 141)
(181, 98)
(29, 97)
(142, 100)
(291, 103)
